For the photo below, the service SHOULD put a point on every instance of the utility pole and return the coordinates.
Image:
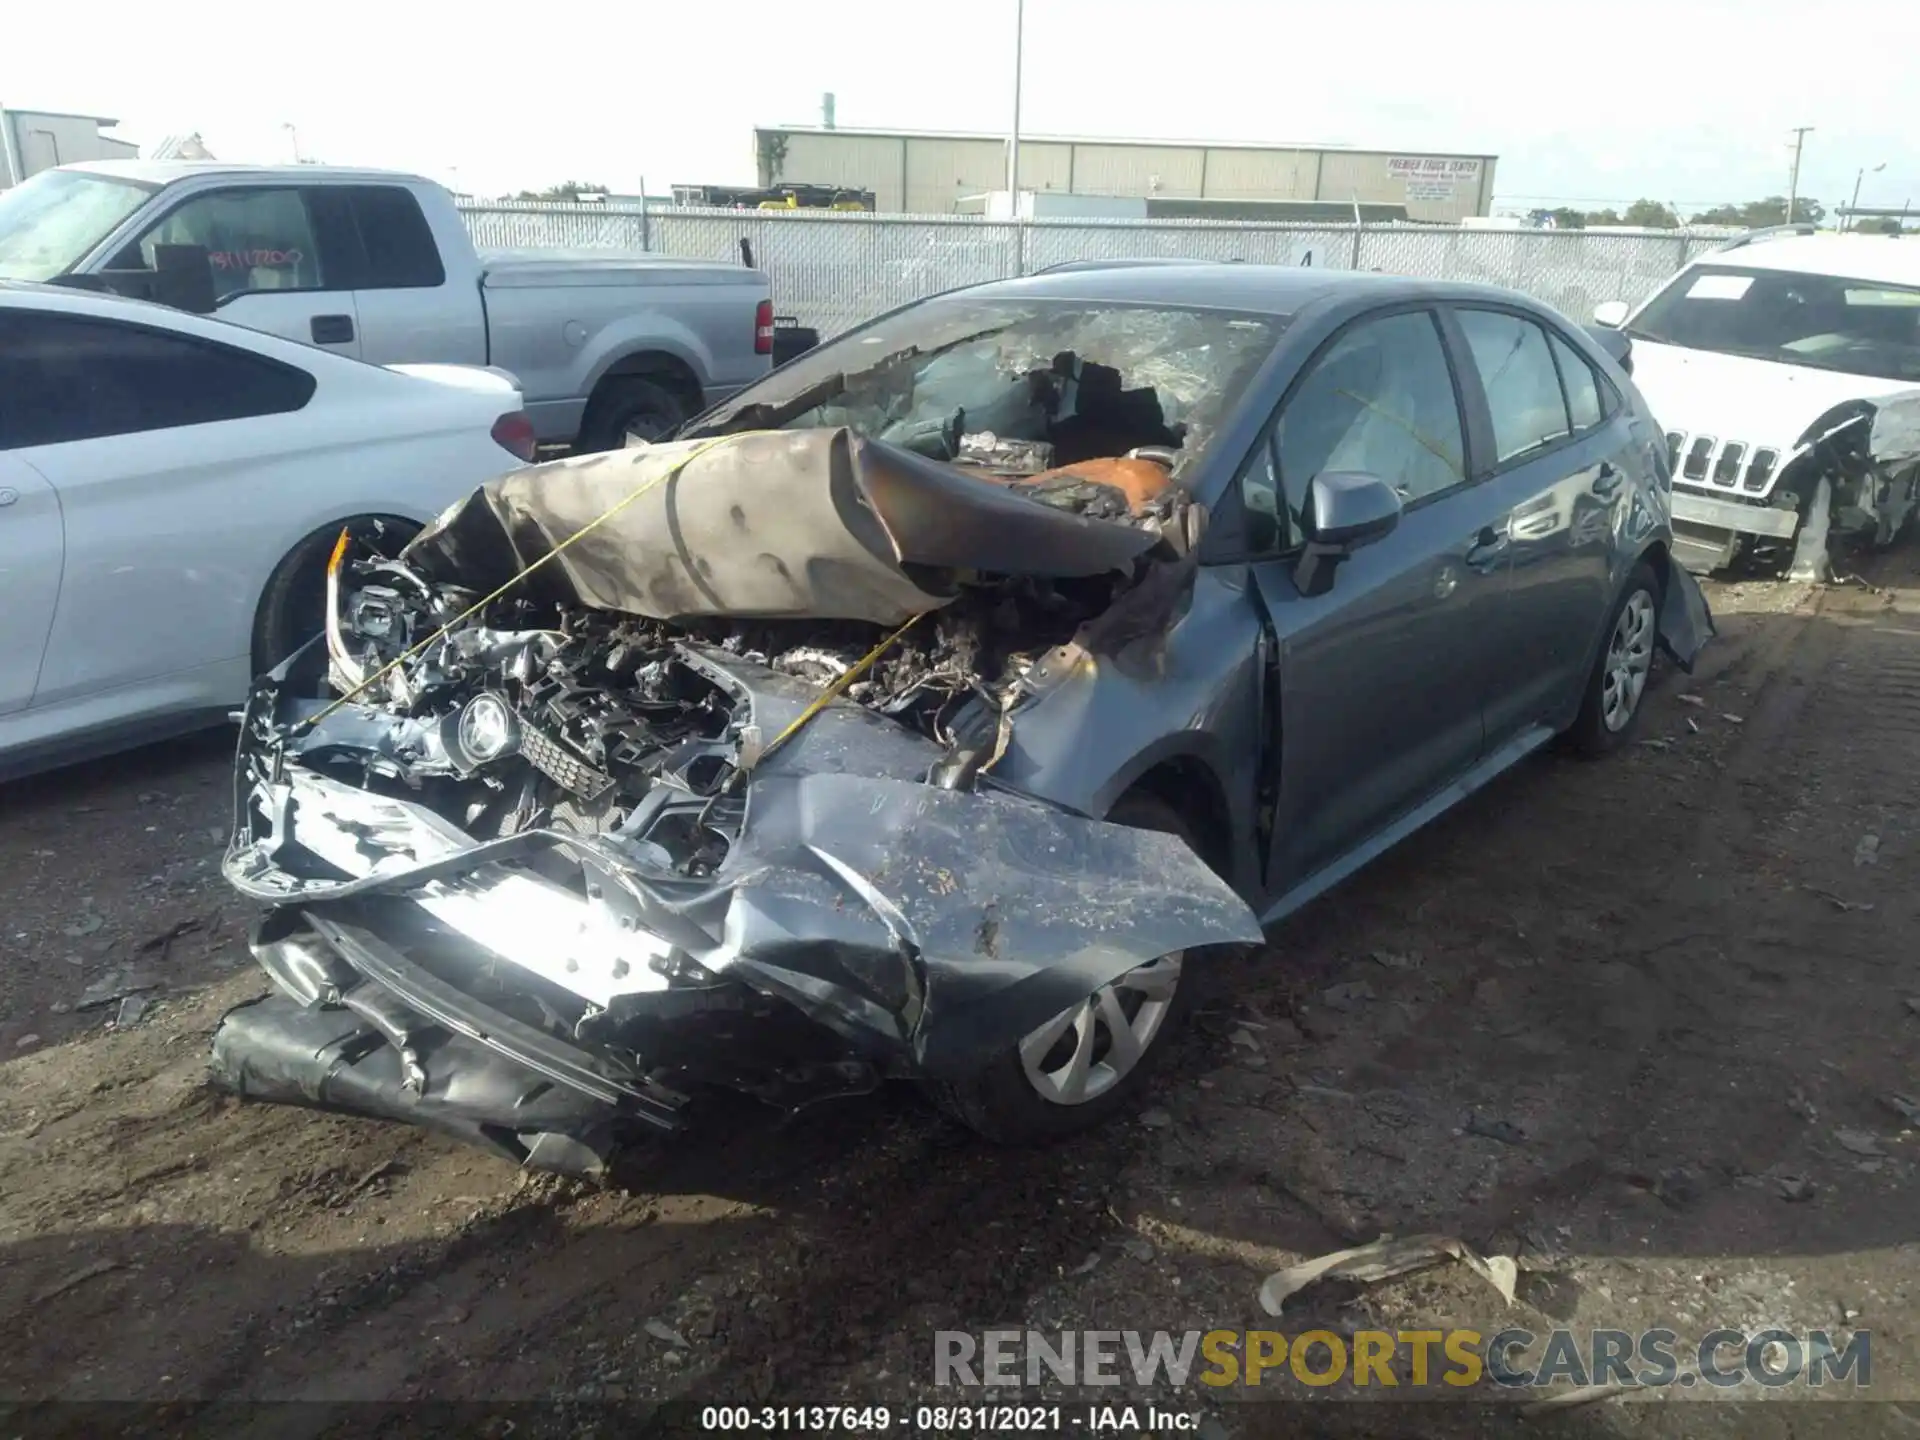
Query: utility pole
(1854, 204)
(1013, 140)
(1793, 183)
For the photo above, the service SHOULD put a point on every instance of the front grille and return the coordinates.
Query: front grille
(1711, 463)
(561, 765)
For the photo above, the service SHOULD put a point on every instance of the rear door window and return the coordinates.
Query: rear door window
(1584, 401)
(396, 239)
(1521, 383)
(65, 377)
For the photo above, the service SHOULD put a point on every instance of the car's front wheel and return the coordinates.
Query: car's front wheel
(1610, 709)
(1091, 1059)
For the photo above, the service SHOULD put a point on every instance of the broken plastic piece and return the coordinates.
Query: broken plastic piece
(1384, 1259)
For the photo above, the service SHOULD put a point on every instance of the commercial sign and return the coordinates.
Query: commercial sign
(1434, 177)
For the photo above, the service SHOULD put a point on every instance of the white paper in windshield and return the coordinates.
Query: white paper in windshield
(1720, 287)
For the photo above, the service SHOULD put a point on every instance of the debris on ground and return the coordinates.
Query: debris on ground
(1385, 1259)
(1505, 1131)
(1858, 1142)
(1243, 1037)
(112, 986)
(89, 923)
(1155, 1119)
(1834, 900)
(77, 1278)
(131, 1009)
(1347, 996)
(1867, 852)
(1698, 702)
(1906, 1109)
(1795, 1188)
(26, 1042)
(1134, 1248)
(1086, 1266)
(665, 1334)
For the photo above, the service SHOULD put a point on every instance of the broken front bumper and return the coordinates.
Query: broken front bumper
(920, 931)
(1731, 515)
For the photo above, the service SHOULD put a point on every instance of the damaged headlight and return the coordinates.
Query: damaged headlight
(485, 730)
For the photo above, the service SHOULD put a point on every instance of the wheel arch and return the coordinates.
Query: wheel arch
(1189, 785)
(313, 542)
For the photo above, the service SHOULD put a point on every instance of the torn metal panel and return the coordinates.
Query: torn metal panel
(819, 524)
(1686, 620)
(1895, 438)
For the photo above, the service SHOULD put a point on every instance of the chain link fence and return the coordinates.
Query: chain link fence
(833, 270)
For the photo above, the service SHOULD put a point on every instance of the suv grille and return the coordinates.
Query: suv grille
(1710, 463)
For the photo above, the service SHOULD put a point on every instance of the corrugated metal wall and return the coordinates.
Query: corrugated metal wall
(927, 174)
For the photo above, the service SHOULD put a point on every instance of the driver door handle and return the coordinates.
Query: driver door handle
(1607, 481)
(1488, 548)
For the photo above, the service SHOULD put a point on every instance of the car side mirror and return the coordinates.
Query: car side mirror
(1610, 313)
(181, 279)
(1345, 510)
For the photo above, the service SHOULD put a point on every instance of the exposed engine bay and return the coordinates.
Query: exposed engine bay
(625, 753)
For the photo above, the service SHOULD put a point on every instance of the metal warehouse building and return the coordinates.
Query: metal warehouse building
(929, 173)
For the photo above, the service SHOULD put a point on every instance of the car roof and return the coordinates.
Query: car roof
(1887, 259)
(1280, 290)
(166, 172)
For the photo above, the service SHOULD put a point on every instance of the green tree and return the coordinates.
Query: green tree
(566, 190)
(1566, 218)
(1878, 225)
(1603, 217)
(1651, 214)
(1758, 214)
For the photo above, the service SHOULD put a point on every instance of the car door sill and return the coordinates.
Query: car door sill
(1444, 799)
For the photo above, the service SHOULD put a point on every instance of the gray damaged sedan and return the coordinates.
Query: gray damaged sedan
(939, 706)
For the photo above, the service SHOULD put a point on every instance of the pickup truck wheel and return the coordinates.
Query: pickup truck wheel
(1091, 1060)
(292, 607)
(1610, 710)
(627, 408)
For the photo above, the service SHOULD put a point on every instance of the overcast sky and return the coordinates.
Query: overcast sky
(1687, 101)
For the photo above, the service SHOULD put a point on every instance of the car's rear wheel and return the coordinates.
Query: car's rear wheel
(1610, 709)
(628, 409)
(1091, 1059)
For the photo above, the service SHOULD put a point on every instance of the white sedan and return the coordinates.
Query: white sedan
(170, 490)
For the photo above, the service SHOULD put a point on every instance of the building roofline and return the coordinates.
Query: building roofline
(14, 111)
(1296, 146)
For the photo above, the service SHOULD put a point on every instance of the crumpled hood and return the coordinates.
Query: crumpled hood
(819, 523)
(1732, 397)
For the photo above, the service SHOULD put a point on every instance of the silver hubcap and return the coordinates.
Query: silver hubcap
(1629, 658)
(1088, 1048)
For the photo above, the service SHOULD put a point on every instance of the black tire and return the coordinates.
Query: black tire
(292, 607)
(629, 405)
(1003, 1106)
(1593, 733)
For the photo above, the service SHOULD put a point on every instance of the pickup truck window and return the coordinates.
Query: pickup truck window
(400, 253)
(50, 222)
(256, 240)
(64, 377)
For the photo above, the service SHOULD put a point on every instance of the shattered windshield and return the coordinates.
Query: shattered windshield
(1857, 327)
(50, 222)
(1021, 383)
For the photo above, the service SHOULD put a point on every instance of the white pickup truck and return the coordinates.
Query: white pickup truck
(379, 266)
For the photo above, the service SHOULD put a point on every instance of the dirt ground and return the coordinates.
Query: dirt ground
(1665, 983)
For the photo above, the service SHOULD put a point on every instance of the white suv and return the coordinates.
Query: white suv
(1786, 370)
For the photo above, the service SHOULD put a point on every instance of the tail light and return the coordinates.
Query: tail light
(763, 328)
(513, 432)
